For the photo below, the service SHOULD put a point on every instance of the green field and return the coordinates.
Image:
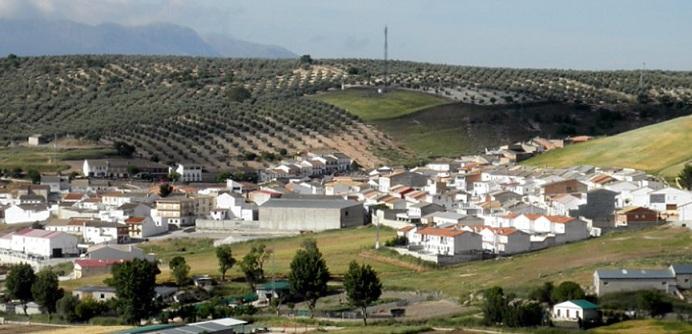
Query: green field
(661, 148)
(47, 159)
(648, 248)
(431, 126)
(646, 327)
(371, 106)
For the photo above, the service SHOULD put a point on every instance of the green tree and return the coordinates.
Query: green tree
(239, 94)
(252, 264)
(362, 286)
(88, 308)
(520, 313)
(306, 59)
(180, 270)
(165, 190)
(19, 281)
(124, 149)
(66, 307)
(494, 304)
(224, 254)
(567, 291)
(173, 177)
(543, 294)
(34, 176)
(309, 274)
(134, 282)
(654, 303)
(685, 177)
(46, 290)
(132, 171)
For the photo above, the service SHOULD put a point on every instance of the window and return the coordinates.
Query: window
(605, 283)
(103, 296)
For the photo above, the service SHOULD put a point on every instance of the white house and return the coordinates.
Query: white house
(685, 214)
(504, 240)
(98, 232)
(40, 243)
(188, 173)
(447, 241)
(668, 199)
(26, 213)
(144, 227)
(578, 310)
(117, 199)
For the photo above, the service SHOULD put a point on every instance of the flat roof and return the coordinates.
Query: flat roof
(309, 203)
(634, 273)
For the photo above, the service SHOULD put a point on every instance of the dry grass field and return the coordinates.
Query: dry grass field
(577, 261)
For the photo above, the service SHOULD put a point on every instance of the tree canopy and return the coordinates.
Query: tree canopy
(685, 177)
(567, 291)
(309, 274)
(19, 281)
(134, 283)
(46, 290)
(224, 254)
(180, 270)
(252, 264)
(362, 286)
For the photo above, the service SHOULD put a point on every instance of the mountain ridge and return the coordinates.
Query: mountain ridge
(38, 37)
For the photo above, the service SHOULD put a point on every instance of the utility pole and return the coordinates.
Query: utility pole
(385, 58)
(641, 77)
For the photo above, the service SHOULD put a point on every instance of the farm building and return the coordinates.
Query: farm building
(311, 214)
(634, 216)
(39, 243)
(608, 281)
(579, 310)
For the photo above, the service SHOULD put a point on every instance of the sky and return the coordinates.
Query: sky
(579, 34)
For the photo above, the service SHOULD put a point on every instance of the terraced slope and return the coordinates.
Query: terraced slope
(661, 148)
(182, 109)
(193, 109)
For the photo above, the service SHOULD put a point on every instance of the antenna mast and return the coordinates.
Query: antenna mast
(385, 56)
(641, 78)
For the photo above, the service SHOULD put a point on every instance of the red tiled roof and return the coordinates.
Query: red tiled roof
(560, 219)
(134, 220)
(441, 232)
(73, 197)
(532, 216)
(406, 228)
(96, 263)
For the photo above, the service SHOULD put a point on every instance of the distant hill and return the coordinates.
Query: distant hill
(37, 37)
(235, 48)
(661, 148)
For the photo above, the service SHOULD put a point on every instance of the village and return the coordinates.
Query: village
(474, 208)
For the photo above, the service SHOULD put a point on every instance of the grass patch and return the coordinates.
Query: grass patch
(661, 148)
(47, 159)
(371, 106)
(646, 327)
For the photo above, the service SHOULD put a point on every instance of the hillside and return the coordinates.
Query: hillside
(197, 109)
(661, 148)
(432, 125)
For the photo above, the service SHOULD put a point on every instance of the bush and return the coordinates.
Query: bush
(106, 321)
(396, 241)
(66, 308)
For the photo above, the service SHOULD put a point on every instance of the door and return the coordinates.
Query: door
(57, 252)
